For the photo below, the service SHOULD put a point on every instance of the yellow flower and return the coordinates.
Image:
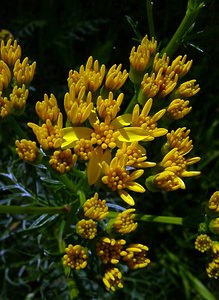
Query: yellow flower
(187, 89)
(118, 178)
(112, 279)
(48, 135)
(136, 256)
(87, 229)
(48, 108)
(146, 122)
(179, 139)
(95, 208)
(180, 66)
(108, 108)
(110, 250)
(5, 106)
(19, 97)
(215, 251)
(168, 181)
(90, 76)
(213, 270)
(150, 86)
(203, 243)
(213, 203)
(140, 59)
(5, 75)
(23, 72)
(62, 161)
(104, 134)
(175, 162)
(214, 225)
(124, 221)
(76, 257)
(136, 155)
(83, 148)
(77, 106)
(10, 52)
(178, 109)
(115, 78)
(27, 150)
(161, 63)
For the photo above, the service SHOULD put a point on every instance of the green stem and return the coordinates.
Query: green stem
(150, 18)
(153, 218)
(132, 103)
(191, 14)
(68, 183)
(160, 219)
(16, 209)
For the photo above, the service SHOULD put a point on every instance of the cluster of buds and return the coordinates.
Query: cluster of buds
(112, 251)
(207, 241)
(108, 144)
(15, 77)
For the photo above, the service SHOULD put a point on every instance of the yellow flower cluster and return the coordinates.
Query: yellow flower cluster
(15, 78)
(111, 251)
(107, 140)
(208, 242)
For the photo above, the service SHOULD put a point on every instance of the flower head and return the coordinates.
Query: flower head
(110, 250)
(215, 251)
(76, 257)
(62, 160)
(87, 229)
(27, 150)
(136, 256)
(77, 104)
(48, 135)
(5, 106)
(148, 123)
(118, 178)
(213, 203)
(213, 270)
(112, 279)
(19, 97)
(136, 155)
(115, 78)
(23, 72)
(108, 108)
(178, 109)
(124, 221)
(203, 243)
(90, 76)
(187, 89)
(176, 162)
(5, 75)
(10, 51)
(179, 139)
(168, 181)
(95, 208)
(48, 108)
(214, 225)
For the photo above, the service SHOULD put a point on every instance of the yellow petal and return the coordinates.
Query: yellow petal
(126, 197)
(72, 134)
(132, 134)
(136, 187)
(147, 107)
(94, 166)
(159, 132)
(136, 174)
(190, 173)
(121, 121)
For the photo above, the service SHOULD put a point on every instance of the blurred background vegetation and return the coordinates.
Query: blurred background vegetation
(59, 36)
